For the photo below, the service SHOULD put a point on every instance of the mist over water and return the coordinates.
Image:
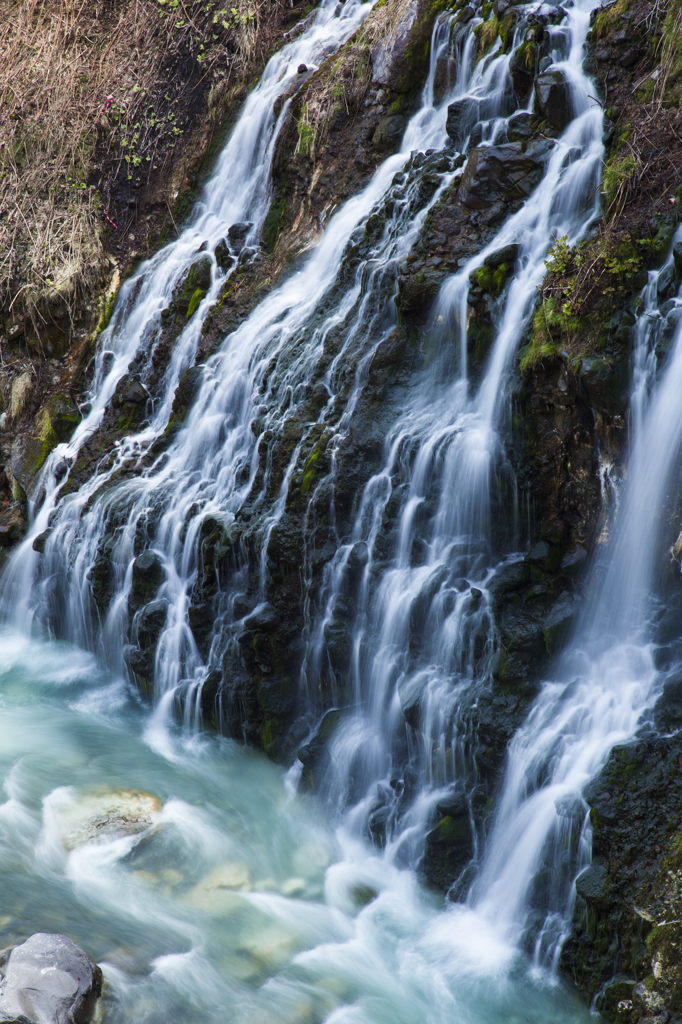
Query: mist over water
(244, 898)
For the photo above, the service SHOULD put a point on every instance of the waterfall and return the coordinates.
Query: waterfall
(408, 589)
(608, 677)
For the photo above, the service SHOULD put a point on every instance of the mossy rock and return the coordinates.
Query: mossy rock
(54, 424)
(275, 222)
(492, 279)
(194, 302)
(198, 279)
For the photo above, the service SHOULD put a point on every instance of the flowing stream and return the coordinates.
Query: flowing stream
(244, 898)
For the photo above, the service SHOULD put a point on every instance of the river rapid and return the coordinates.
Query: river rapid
(243, 901)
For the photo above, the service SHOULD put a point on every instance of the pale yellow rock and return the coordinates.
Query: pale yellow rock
(293, 887)
(241, 968)
(19, 396)
(233, 875)
(218, 891)
(170, 876)
(311, 860)
(265, 885)
(272, 947)
(106, 815)
(148, 877)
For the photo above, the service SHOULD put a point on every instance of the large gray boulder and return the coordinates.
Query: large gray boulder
(49, 980)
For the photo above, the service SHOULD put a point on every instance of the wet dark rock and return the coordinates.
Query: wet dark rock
(187, 390)
(215, 542)
(242, 604)
(465, 14)
(410, 693)
(49, 980)
(301, 69)
(666, 285)
(574, 562)
(540, 554)
(520, 631)
(510, 577)
(314, 756)
(605, 383)
(591, 884)
(521, 72)
(444, 78)
(620, 326)
(454, 804)
(462, 116)
(148, 575)
(553, 97)
(507, 254)
(200, 273)
(449, 848)
(40, 541)
(377, 822)
(277, 698)
(208, 698)
(519, 127)
(55, 422)
(236, 235)
(151, 621)
(495, 173)
(338, 640)
(102, 579)
(677, 257)
(389, 133)
(195, 284)
(223, 256)
(668, 707)
(263, 617)
(200, 617)
(130, 389)
(557, 625)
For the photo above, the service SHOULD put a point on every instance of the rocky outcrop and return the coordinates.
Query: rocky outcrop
(48, 980)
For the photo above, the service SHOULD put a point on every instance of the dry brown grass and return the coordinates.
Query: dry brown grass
(87, 94)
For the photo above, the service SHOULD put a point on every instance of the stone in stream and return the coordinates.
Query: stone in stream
(219, 891)
(223, 256)
(236, 235)
(49, 980)
(107, 815)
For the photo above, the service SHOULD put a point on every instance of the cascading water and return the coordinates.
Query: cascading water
(228, 904)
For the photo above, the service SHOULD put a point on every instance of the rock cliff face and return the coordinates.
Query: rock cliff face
(565, 438)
